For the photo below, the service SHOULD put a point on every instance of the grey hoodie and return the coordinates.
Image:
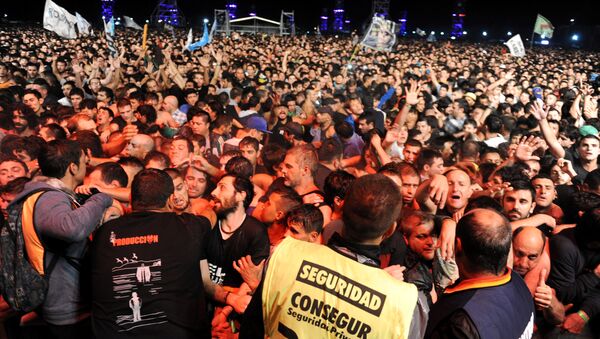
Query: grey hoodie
(66, 230)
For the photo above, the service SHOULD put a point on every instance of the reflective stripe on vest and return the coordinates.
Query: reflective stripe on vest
(311, 291)
(33, 245)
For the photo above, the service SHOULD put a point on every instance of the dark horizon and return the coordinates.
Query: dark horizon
(429, 16)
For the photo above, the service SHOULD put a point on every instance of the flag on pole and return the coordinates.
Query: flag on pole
(59, 20)
(110, 42)
(515, 45)
(190, 37)
(212, 31)
(83, 26)
(110, 26)
(381, 35)
(431, 37)
(202, 42)
(129, 22)
(543, 27)
(421, 32)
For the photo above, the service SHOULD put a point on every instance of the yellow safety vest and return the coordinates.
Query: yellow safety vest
(311, 291)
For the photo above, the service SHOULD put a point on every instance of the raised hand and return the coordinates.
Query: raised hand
(526, 147)
(412, 94)
(538, 111)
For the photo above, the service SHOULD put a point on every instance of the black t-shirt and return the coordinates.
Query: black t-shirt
(249, 239)
(146, 279)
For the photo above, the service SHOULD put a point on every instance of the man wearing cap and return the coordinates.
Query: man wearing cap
(255, 126)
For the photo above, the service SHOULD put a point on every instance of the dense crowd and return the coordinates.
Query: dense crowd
(297, 187)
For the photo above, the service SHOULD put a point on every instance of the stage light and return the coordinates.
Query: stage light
(205, 21)
(484, 33)
(509, 33)
(575, 37)
(545, 42)
(572, 20)
(464, 32)
(433, 32)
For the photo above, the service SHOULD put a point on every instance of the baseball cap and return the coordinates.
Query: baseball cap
(588, 130)
(472, 96)
(258, 123)
(295, 129)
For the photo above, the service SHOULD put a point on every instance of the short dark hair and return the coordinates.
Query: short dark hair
(272, 155)
(344, 129)
(159, 157)
(111, 171)
(426, 157)
(336, 185)
(88, 103)
(371, 207)
(239, 166)
(250, 141)
(493, 123)
(523, 185)
(307, 215)
(151, 189)
(291, 198)
(148, 112)
(89, 141)
(56, 156)
(485, 247)
(331, 149)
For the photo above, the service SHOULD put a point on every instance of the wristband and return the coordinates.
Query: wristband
(583, 316)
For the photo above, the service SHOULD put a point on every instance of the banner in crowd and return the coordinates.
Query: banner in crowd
(130, 23)
(515, 45)
(83, 26)
(543, 27)
(421, 32)
(381, 35)
(59, 20)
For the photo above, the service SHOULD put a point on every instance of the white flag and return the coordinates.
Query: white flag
(190, 37)
(83, 26)
(59, 20)
(129, 22)
(421, 32)
(515, 45)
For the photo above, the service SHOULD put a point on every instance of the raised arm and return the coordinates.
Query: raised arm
(541, 115)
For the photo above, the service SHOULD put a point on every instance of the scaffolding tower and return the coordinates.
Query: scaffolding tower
(167, 12)
(381, 8)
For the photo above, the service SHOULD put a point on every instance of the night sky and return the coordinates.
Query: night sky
(496, 17)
